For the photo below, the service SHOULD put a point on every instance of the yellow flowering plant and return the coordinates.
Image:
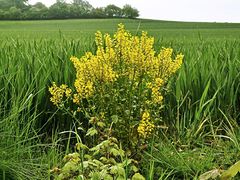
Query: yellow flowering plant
(124, 80)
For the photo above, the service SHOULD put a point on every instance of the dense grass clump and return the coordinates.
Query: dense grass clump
(201, 107)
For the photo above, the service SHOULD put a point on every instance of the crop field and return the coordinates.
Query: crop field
(197, 121)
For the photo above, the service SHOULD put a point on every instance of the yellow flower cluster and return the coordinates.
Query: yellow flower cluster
(145, 127)
(90, 70)
(124, 56)
(156, 96)
(138, 58)
(164, 66)
(58, 93)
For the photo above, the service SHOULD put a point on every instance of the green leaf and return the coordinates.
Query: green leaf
(85, 164)
(117, 170)
(98, 162)
(91, 132)
(213, 174)
(87, 156)
(103, 159)
(108, 177)
(127, 162)
(138, 176)
(80, 177)
(69, 167)
(114, 118)
(231, 172)
(111, 160)
(80, 146)
(121, 170)
(114, 152)
(121, 178)
(95, 176)
(134, 168)
(101, 124)
(121, 152)
(114, 169)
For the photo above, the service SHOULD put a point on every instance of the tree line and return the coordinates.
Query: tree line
(21, 10)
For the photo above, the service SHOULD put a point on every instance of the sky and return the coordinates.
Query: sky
(176, 10)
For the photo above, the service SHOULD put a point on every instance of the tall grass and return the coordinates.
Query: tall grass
(207, 84)
(202, 105)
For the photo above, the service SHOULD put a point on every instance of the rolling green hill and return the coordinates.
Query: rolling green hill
(74, 29)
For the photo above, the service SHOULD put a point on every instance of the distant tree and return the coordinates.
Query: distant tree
(33, 13)
(99, 12)
(18, 3)
(129, 12)
(59, 10)
(2, 14)
(20, 9)
(14, 13)
(39, 5)
(37, 11)
(113, 11)
(82, 8)
(5, 4)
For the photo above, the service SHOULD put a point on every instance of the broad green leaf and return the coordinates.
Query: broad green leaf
(231, 172)
(108, 177)
(127, 162)
(69, 166)
(121, 170)
(80, 177)
(114, 118)
(85, 164)
(113, 161)
(101, 124)
(91, 132)
(80, 146)
(134, 168)
(138, 176)
(114, 152)
(121, 178)
(114, 169)
(213, 174)
(103, 159)
(98, 162)
(95, 176)
(87, 156)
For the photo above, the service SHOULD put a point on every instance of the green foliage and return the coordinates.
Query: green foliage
(121, 86)
(6, 4)
(113, 11)
(18, 9)
(221, 174)
(129, 11)
(106, 160)
(231, 172)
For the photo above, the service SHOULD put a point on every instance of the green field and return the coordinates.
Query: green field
(76, 29)
(201, 108)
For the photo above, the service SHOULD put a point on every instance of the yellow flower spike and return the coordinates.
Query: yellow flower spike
(158, 82)
(68, 92)
(58, 93)
(76, 99)
(149, 85)
(145, 126)
(98, 39)
(122, 57)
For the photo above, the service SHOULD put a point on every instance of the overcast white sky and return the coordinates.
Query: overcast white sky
(178, 10)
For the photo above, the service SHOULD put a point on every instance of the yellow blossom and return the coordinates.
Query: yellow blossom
(58, 93)
(145, 127)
